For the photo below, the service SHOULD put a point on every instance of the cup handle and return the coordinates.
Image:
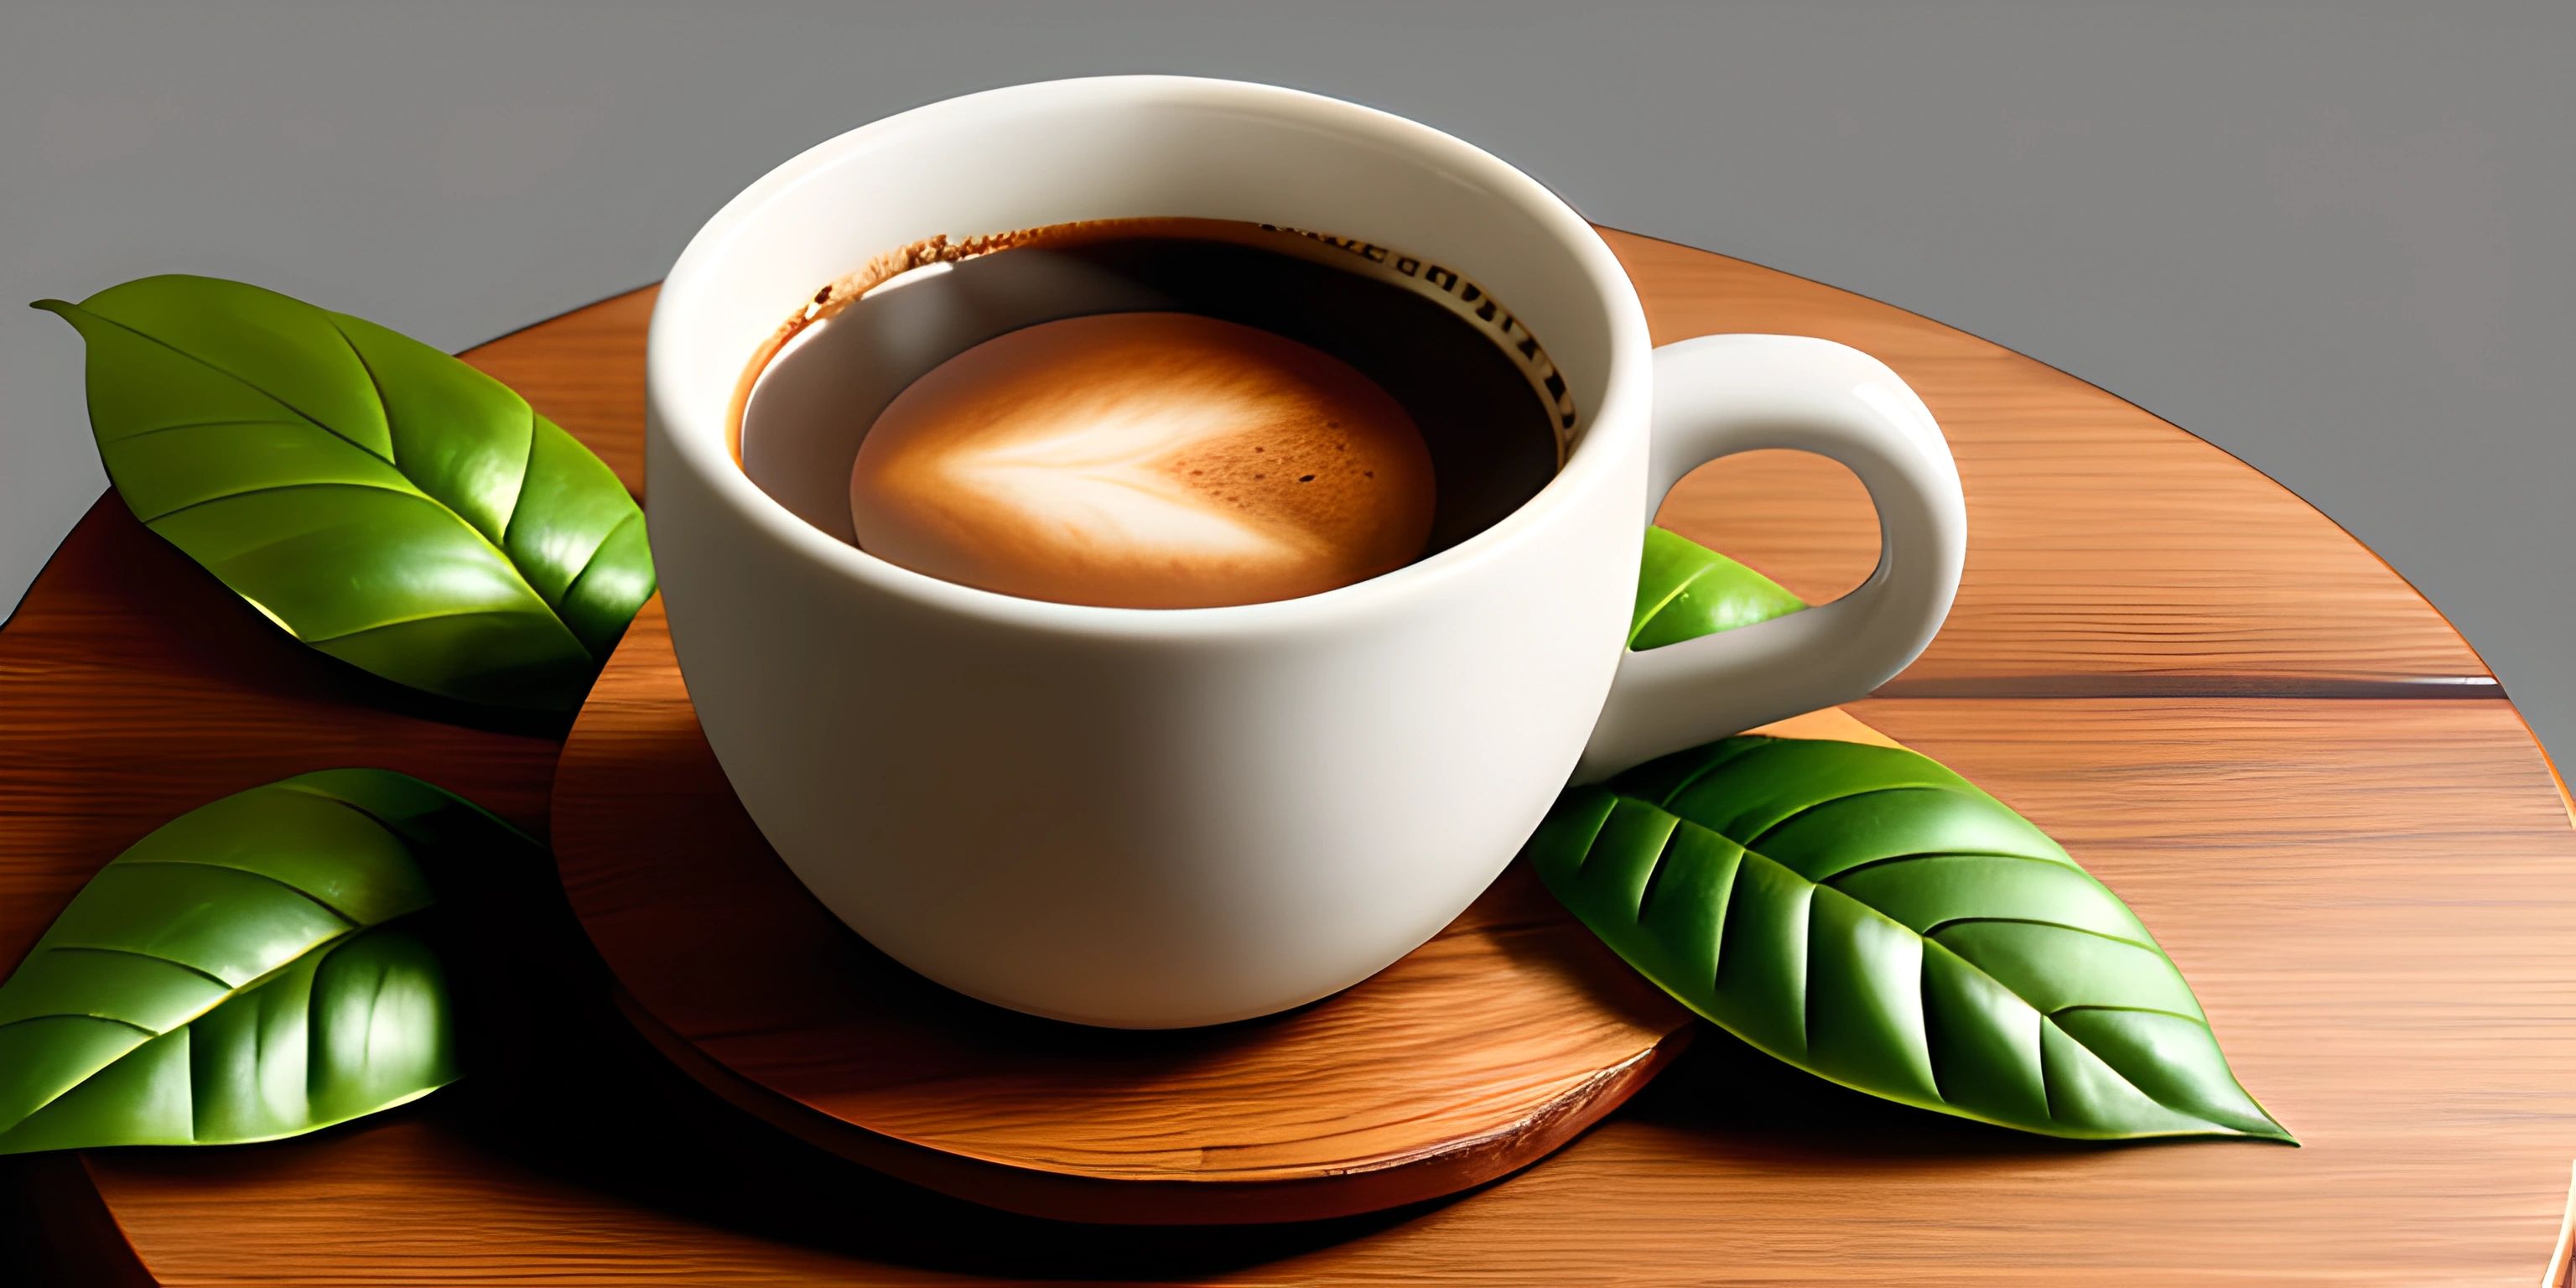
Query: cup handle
(1722, 394)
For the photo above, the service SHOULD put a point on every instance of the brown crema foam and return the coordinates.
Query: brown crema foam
(1144, 460)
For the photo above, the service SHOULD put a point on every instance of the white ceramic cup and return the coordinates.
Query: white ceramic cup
(1159, 818)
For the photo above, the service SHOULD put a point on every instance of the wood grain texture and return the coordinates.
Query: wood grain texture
(1498, 1041)
(2371, 896)
(2104, 544)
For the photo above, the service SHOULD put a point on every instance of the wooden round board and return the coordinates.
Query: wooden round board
(2283, 758)
(1499, 1040)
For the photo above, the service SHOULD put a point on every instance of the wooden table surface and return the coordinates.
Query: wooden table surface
(2292, 767)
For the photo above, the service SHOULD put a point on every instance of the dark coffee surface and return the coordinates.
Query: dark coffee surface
(1489, 431)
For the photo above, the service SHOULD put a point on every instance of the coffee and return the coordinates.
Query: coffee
(1152, 413)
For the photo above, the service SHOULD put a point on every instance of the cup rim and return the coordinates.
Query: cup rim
(701, 448)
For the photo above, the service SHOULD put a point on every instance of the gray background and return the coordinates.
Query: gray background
(2337, 239)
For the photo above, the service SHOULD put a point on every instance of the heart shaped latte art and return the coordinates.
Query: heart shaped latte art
(1144, 460)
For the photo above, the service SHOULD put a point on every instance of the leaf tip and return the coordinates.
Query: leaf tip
(2271, 1128)
(2261, 1125)
(62, 308)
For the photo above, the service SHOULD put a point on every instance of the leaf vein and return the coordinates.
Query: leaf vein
(592, 559)
(1895, 859)
(199, 971)
(1667, 601)
(313, 1062)
(1655, 871)
(1720, 1005)
(300, 892)
(122, 439)
(2047, 1102)
(1811, 807)
(246, 382)
(417, 618)
(384, 405)
(1592, 846)
(2047, 1096)
(2132, 1010)
(285, 487)
(198, 1056)
(527, 470)
(518, 574)
(375, 1000)
(303, 789)
(78, 1015)
(1703, 771)
(1806, 970)
(1937, 927)
(1717, 953)
(498, 548)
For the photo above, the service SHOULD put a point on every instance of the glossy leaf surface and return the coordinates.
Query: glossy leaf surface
(380, 500)
(249, 970)
(1686, 590)
(1871, 917)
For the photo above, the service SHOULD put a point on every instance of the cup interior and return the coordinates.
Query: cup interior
(1122, 147)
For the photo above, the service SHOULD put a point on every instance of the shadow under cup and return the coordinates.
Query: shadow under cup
(1492, 410)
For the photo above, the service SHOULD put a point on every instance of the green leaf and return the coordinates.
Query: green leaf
(1686, 590)
(380, 500)
(1873, 918)
(250, 970)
